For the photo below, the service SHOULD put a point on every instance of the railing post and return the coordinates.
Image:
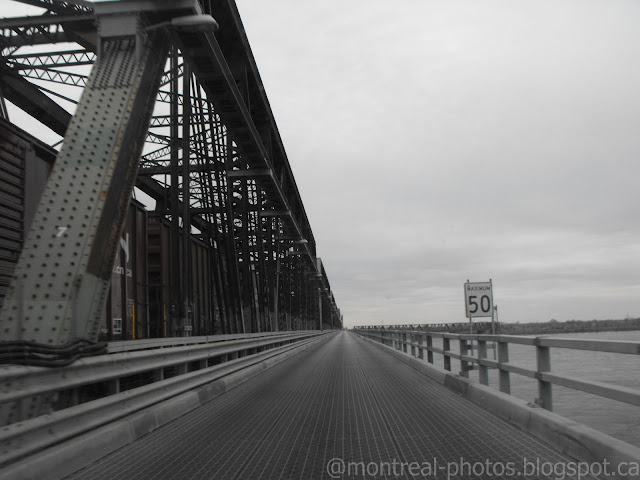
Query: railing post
(503, 357)
(420, 344)
(446, 346)
(21, 409)
(412, 338)
(464, 366)
(404, 342)
(74, 397)
(543, 360)
(158, 376)
(429, 352)
(113, 386)
(483, 371)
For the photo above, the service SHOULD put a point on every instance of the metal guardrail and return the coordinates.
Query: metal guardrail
(151, 343)
(416, 343)
(193, 366)
(112, 373)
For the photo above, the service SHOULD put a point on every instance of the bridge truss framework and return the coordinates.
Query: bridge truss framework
(212, 161)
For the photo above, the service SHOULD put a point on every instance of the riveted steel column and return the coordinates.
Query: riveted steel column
(290, 289)
(3, 107)
(67, 260)
(233, 251)
(174, 196)
(319, 267)
(320, 308)
(186, 314)
(276, 288)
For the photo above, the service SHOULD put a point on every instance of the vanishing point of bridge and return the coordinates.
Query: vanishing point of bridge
(164, 310)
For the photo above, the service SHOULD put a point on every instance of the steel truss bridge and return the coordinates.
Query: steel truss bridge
(177, 108)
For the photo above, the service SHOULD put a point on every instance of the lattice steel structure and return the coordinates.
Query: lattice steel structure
(212, 164)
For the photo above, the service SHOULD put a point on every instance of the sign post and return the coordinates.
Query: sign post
(478, 299)
(478, 302)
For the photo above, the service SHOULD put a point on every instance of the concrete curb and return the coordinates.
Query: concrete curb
(62, 460)
(566, 436)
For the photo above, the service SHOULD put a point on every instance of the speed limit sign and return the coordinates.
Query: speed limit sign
(478, 299)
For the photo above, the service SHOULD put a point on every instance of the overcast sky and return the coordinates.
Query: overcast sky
(439, 141)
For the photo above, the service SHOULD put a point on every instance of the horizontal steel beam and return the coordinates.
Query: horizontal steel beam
(25, 22)
(30, 99)
(250, 173)
(275, 213)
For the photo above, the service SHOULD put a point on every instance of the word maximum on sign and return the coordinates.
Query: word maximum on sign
(478, 299)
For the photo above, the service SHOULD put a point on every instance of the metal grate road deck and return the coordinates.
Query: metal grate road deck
(341, 399)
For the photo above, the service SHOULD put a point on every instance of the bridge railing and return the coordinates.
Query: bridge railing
(96, 391)
(416, 343)
(170, 342)
(131, 364)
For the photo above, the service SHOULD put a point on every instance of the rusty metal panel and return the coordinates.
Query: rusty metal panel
(201, 316)
(127, 304)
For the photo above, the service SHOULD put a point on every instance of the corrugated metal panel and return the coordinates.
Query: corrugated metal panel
(127, 304)
(201, 315)
(25, 163)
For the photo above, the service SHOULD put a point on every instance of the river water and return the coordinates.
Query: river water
(617, 419)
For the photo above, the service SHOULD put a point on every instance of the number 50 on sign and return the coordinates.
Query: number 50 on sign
(478, 299)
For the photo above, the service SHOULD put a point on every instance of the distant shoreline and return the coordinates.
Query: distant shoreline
(570, 326)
